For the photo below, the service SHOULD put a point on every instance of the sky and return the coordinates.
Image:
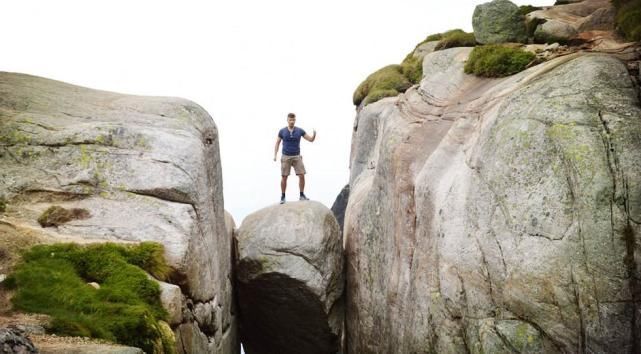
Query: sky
(248, 63)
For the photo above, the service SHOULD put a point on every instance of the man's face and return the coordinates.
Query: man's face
(291, 121)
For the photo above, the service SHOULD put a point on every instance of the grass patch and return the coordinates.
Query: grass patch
(497, 61)
(52, 279)
(57, 215)
(456, 38)
(389, 79)
(412, 68)
(628, 18)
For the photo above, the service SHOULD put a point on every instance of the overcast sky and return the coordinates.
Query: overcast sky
(248, 63)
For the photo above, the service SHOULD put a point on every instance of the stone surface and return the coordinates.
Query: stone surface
(171, 298)
(564, 22)
(497, 215)
(554, 31)
(338, 208)
(13, 341)
(146, 169)
(88, 349)
(498, 21)
(290, 280)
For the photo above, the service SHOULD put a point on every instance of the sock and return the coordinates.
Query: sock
(282, 195)
(302, 194)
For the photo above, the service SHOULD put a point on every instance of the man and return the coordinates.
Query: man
(290, 136)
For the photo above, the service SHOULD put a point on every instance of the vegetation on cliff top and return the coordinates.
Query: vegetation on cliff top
(628, 18)
(392, 80)
(456, 38)
(52, 279)
(385, 82)
(497, 61)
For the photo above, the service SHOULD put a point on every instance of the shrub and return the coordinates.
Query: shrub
(497, 61)
(628, 18)
(57, 215)
(389, 78)
(52, 279)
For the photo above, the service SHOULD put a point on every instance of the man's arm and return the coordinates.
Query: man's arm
(276, 147)
(310, 138)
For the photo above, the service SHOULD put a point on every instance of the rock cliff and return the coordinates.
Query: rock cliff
(497, 215)
(136, 169)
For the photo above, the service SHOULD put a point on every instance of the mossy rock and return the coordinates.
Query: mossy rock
(628, 19)
(57, 215)
(389, 78)
(497, 61)
(52, 279)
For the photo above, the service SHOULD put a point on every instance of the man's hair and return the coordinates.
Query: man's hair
(291, 115)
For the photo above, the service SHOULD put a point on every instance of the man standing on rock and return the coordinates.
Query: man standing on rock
(290, 135)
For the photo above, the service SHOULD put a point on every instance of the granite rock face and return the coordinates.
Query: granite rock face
(290, 280)
(498, 21)
(144, 168)
(497, 215)
(339, 206)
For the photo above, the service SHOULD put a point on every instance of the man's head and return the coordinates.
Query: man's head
(291, 120)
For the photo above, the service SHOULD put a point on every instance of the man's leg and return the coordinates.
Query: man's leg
(301, 183)
(283, 184)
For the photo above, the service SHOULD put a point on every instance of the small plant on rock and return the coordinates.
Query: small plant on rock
(57, 215)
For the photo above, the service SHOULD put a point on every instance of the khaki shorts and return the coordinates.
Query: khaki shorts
(287, 162)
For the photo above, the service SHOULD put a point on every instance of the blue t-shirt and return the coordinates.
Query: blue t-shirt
(291, 140)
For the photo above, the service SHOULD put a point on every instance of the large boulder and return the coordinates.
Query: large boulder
(498, 21)
(497, 215)
(290, 280)
(135, 168)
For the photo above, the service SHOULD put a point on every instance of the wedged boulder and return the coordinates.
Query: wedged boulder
(498, 21)
(290, 280)
(135, 168)
(497, 215)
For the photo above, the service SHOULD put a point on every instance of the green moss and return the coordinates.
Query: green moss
(412, 68)
(3, 204)
(380, 94)
(389, 78)
(52, 279)
(456, 38)
(628, 18)
(56, 215)
(497, 61)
